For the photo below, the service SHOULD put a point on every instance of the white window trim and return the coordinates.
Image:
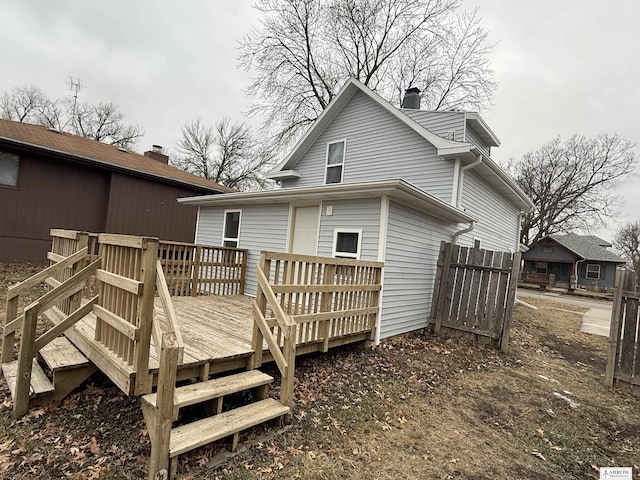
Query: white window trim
(326, 161)
(593, 271)
(224, 227)
(336, 231)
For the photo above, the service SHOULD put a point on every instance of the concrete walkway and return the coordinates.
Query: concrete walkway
(595, 321)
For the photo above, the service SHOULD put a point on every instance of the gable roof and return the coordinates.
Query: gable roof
(42, 139)
(494, 174)
(397, 189)
(588, 247)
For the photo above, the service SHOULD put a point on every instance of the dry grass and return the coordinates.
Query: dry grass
(415, 407)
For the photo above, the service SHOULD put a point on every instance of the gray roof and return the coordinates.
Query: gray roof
(588, 247)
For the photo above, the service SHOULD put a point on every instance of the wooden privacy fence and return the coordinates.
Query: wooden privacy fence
(474, 292)
(623, 362)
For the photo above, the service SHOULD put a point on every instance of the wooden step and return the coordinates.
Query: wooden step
(216, 388)
(40, 384)
(61, 355)
(193, 435)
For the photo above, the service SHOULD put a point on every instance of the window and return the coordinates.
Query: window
(231, 236)
(346, 243)
(593, 271)
(8, 169)
(541, 268)
(335, 162)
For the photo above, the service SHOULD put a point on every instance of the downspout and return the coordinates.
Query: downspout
(461, 177)
(471, 226)
(462, 232)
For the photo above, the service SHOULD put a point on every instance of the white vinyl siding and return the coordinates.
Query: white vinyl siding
(379, 146)
(263, 227)
(477, 141)
(413, 245)
(497, 225)
(440, 123)
(362, 214)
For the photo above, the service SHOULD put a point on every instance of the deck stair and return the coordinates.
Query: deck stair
(40, 387)
(190, 436)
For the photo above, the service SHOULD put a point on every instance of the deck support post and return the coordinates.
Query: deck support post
(25, 359)
(160, 426)
(288, 376)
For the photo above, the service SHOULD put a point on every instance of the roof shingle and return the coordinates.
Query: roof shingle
(588, 247)
(99, 153)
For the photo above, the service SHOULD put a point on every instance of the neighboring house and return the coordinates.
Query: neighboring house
(373, 182)
(561, 260)
(50, 179)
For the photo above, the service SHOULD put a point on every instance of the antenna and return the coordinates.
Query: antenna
(75, 85)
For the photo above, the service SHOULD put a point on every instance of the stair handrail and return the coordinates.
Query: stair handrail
(285, 358)
(169, 348)
(29, 344)
(169, 314)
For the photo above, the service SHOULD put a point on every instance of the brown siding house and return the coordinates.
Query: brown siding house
(50, 179)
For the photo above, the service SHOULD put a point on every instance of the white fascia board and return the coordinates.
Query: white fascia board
(479, 121)
(397, 189)
(283, 174)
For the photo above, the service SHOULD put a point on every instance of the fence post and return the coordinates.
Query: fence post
(614, 327)
(442, 288)
(325, 304)
(148, 277)
(511, 299)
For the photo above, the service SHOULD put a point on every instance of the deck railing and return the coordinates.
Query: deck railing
(64, 293)
(312, 301)
(190, 269)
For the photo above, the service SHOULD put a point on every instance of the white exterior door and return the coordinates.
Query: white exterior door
(304, 235)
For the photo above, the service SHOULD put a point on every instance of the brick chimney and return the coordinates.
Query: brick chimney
(156, 154)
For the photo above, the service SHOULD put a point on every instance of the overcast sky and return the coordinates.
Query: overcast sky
(563, 66)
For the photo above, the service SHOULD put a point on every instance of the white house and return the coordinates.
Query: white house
(374, 182)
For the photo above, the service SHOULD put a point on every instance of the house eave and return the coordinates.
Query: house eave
(397, 189)
(102, 164)
(479, 126)
(283, 174)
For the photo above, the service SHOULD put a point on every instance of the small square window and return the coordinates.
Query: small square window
(593, 271)
(346, 243)
(335, 162)
(9, 169)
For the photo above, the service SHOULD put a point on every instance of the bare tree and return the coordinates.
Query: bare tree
(571, 183)
(306, 50)
(627, 242)
(227, 154)
(103, 122)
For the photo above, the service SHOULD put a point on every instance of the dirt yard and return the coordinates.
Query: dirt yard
(415, 407)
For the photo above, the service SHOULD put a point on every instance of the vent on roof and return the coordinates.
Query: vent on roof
(122, 149)
(451, 135)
